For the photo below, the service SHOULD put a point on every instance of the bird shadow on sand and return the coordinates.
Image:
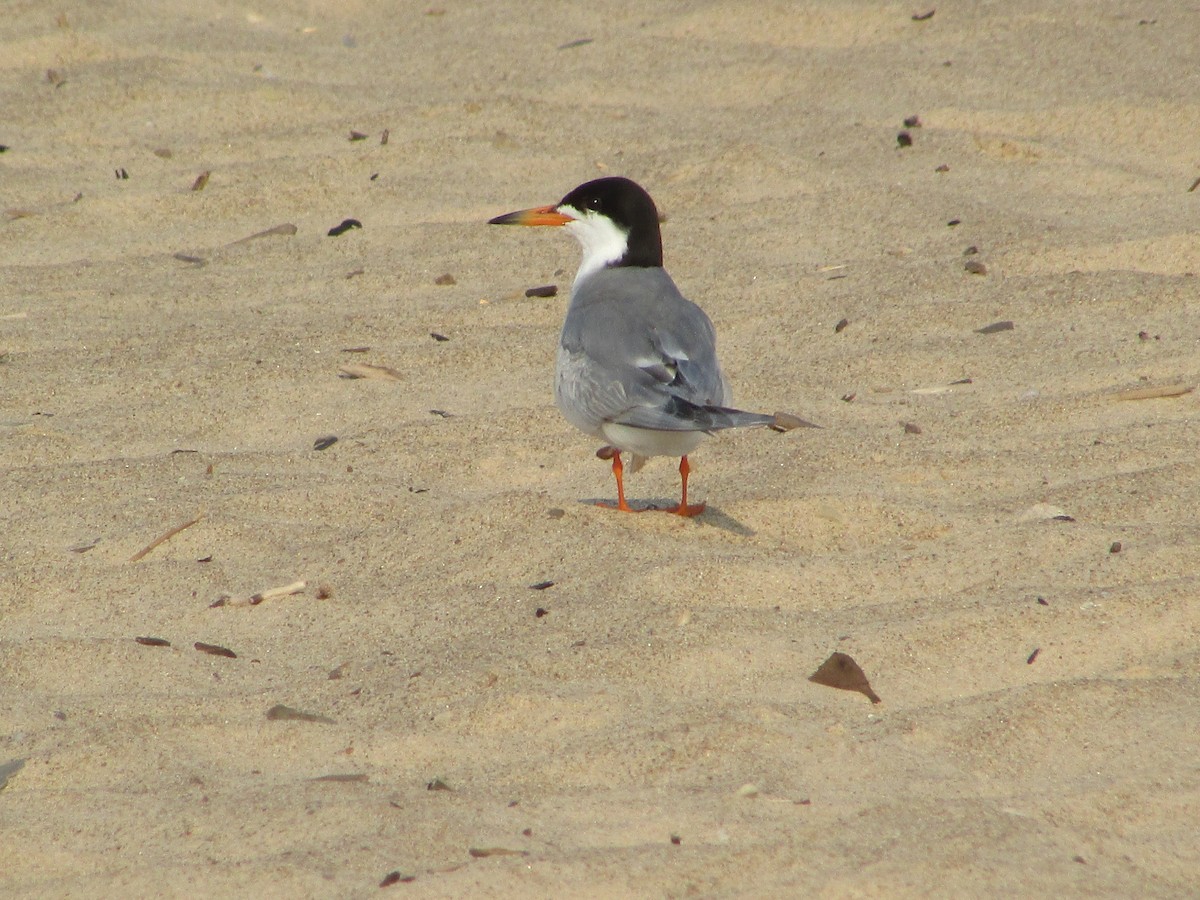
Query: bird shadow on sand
(713, 516)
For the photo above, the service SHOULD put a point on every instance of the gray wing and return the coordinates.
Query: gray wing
(635, 351)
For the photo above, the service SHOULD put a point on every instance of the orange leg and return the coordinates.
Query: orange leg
(683, 509)
(618, 473)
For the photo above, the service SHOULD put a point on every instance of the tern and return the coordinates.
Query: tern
(637, 361)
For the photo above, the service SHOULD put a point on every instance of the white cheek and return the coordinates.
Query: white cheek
(603, 242)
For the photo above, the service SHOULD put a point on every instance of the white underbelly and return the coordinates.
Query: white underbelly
(645, 442)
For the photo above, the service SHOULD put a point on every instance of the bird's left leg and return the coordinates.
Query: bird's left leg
(683, 509)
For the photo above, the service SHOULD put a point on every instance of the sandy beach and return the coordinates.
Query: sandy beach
(961, 237)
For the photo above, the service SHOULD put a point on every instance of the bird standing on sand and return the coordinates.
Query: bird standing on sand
(637, 361)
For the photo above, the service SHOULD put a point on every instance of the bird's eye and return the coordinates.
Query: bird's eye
(594, 202)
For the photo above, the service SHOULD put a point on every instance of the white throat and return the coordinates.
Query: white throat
(603, 242)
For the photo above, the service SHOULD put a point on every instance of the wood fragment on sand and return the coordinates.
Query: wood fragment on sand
(214, 650)
(996, 327)
(396, 877)
(484, 852)
(163, 538)
(366, 370)
(270, 594)
(281, 713)
(285, 229)
(1155, 393)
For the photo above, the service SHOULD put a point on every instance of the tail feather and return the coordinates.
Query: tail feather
(677, 414)
(721, 417)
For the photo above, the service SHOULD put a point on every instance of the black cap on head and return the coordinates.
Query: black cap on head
(630, 208)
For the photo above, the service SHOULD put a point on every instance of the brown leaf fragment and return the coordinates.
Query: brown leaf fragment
(1033, 656)
(153, 642)
(281, 713)
(384, 136)
(975, 267)
(483, 852)
(163, 152)
(396, 878)
(188, 258)
(1155, 393)
(324, 443)
(545, 290)
(912, 428)
(1195, 184)
(923, 17)
(841, 326)
(996, 327)
(214, 650)
(438, 785)
(440, 338)
(201, 181)
(445, 279)
(904, 139)
(912, 122)
(357, 136)
(343, 226)
(366, 370)
(842, 672)
(342, 777)
(541, 585)
(787, 422)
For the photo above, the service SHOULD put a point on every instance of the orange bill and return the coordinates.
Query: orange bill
(539, 215)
